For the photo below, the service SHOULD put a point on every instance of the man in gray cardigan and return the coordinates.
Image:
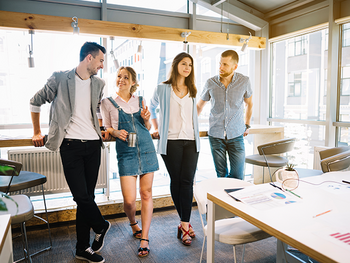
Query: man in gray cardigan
(75, 130)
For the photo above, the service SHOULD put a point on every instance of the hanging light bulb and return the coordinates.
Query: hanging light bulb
(185, 42)
(139, 48)
(31, 59)
(74, 24)
(115, 60)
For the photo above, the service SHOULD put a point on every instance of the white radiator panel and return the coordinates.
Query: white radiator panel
(48, 163)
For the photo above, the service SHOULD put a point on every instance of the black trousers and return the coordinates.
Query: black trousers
(81, 163)
(181, 163)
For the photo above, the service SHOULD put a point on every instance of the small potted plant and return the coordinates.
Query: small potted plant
(288, 176)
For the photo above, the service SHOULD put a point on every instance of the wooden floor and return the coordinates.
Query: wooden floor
(121, 246)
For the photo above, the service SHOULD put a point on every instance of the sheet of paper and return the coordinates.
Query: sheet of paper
(264, 196)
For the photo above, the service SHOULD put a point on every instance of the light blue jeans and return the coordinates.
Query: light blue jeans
(236, 153)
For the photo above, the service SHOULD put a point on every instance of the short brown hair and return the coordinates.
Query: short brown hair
(231, 53)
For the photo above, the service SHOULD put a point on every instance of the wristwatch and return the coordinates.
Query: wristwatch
(247, 126)
(102, 128)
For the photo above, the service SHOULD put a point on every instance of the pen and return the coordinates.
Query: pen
(345, 182)
(276, 186)
(294, 193)
(322, 213)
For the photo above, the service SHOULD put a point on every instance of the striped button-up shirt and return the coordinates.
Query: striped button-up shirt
(226, 117)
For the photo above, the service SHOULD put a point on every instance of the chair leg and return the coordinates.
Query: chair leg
(243, 253)
(25, 240)
(48, 225)
(200, 260)
(48, 228)
(234, 253)
(47, 217)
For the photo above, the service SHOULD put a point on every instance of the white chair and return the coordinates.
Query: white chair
(233, 231)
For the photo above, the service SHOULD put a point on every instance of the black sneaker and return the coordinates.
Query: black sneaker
(89, 255)
(97, 245)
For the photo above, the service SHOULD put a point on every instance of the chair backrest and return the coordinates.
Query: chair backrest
(9, 167)
(277, 147)
(201, 189)
(336, 162)
(333, 151)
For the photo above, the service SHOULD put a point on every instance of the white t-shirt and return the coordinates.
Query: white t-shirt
(81, 124)
(180, 118)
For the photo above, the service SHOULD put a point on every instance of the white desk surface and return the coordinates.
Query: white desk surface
(295, 225)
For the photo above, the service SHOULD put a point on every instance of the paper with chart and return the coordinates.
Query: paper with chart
(264, 196)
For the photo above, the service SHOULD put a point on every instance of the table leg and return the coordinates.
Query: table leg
(211, 232)
(283, 255)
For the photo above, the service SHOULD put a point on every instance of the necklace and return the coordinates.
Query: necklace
(181, 92)
(78, 75)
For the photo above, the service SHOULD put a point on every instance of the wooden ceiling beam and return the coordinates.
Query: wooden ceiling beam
(38, 22)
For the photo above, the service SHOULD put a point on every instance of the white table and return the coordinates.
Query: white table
(6, 255)
(295, 224)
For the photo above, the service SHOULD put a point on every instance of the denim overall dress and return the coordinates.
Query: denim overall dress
(137, 160)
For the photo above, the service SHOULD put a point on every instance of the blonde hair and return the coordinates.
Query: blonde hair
(132, 76)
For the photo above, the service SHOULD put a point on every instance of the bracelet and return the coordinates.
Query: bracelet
(247, 126)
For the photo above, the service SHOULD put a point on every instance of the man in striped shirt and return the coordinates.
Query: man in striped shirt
(230, 94)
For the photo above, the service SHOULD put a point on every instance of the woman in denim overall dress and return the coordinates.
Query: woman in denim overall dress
(123, 114)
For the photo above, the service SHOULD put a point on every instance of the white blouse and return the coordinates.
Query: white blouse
(180, 118)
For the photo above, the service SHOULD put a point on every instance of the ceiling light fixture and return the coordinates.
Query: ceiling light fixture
(31, 59)
(115, 60)
(74, 24)
(245, 41)
(139, 48)
(185, 42)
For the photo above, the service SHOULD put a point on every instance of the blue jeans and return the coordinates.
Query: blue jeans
(236, 153)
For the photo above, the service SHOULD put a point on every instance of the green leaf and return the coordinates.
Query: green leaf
(3, 206)
(7, 170)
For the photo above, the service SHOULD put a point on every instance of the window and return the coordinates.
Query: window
(345, 81)
(165, 5)
(298, 82)
(297, 46)
(346, 35)
(344, 105)
(297, 88)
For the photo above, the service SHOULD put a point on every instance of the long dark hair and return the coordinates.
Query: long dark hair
(173, 74)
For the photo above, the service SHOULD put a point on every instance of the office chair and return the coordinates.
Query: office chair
(267, 154)
(20, 180)
(335, 159)
(234, 231)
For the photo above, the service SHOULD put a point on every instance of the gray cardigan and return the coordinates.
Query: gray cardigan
(60, 92)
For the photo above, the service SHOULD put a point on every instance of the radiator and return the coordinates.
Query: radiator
(48, 163)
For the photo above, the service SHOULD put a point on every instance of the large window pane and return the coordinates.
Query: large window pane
(307, 138)
(298, 77)
(18, 82)
(345, 75)
(165, 5)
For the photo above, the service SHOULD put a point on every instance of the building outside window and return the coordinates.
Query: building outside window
(344, 98)
(297, 92)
